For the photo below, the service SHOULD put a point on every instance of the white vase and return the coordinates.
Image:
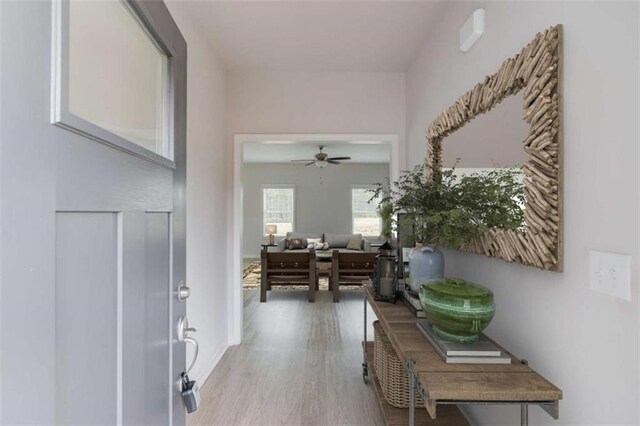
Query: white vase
(426, 264)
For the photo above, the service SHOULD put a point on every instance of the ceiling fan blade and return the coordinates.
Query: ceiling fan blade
(302, 161)
(308, 164)
(333, 162)
(339, 158)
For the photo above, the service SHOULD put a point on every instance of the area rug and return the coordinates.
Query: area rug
(251, 280)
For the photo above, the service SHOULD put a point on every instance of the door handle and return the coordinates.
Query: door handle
(194, 342)
(183, 331)
(183, 291)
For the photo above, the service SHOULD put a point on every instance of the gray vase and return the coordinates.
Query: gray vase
(426, 264)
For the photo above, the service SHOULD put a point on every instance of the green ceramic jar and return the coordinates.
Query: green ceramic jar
(458, 310)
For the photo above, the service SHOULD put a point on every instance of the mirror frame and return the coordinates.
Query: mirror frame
(536, 71)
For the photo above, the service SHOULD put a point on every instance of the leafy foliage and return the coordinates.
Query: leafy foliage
(385, 210)
(452, 211)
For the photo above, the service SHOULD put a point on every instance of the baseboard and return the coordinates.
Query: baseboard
(251, 256)
(203, 373)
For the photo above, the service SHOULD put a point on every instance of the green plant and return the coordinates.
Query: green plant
(453, 211)
(385, 210)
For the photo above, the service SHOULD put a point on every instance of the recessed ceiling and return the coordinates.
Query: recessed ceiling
(285, 151)
(378, 36)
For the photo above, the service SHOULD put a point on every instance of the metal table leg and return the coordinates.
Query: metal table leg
(524, 408)
(365, 366)
(412, 393)
(524, 415)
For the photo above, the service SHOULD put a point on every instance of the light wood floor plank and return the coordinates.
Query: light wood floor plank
(299, 364)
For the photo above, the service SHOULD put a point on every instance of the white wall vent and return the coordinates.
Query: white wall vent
(472, 30)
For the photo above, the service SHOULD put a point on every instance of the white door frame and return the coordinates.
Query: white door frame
(235, 301)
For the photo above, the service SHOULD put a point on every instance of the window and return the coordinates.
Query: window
(113, 78)
(364, 215)
(278, 203)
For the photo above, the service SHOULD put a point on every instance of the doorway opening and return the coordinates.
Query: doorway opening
(259, 158)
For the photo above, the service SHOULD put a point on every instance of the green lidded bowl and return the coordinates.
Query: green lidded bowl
(458, 310)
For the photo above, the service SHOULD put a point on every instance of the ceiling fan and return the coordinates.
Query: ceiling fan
(322, 160)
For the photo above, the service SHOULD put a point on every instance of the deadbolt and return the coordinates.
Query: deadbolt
(183, 291)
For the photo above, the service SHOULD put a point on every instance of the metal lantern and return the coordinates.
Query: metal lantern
(385, 277)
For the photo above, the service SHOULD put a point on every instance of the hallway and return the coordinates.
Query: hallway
(299, 364)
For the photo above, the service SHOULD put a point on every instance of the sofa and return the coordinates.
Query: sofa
(337, 242)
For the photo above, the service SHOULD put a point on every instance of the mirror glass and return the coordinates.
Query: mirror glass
(492, 141)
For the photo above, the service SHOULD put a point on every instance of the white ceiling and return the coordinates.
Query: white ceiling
(316, 35)
(285, 151)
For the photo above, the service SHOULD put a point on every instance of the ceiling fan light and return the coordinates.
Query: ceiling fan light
(322, 164)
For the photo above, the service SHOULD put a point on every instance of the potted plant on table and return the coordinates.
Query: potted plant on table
(451, 211)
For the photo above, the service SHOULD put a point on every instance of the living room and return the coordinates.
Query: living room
(329, 198)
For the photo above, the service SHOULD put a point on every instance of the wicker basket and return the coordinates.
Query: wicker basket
(390, 371)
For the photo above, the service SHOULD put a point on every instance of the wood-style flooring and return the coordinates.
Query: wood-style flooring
(299, 364)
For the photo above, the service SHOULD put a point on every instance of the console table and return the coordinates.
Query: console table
(442, 384)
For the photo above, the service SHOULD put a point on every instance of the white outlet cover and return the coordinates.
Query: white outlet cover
(610, 273)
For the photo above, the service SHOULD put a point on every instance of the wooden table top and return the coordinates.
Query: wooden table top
(440, 381)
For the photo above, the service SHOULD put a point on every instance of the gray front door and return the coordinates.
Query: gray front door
(92, 244)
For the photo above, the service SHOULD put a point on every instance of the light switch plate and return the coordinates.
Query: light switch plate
(610, 273)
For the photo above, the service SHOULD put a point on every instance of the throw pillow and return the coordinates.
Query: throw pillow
(316, 244)
(355, 244)
(295, 244)
(313, 243)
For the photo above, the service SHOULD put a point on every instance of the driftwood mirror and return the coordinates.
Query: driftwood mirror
(522, 128)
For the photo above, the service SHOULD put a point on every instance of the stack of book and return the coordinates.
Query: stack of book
(412, 301)
(481, 352)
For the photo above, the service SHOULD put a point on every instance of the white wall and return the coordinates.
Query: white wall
(324, 102)
(206, 192)
(323, 196)
(584, 342)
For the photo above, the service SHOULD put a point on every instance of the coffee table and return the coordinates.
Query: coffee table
(324, 263)
(324, 255)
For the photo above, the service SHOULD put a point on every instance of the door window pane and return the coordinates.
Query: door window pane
(278, 208)
(118, 77)
(365, 217)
